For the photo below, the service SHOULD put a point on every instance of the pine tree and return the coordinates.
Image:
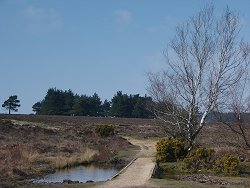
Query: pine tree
(12, 104)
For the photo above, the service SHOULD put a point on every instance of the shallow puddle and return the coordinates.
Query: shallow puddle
(80, 173)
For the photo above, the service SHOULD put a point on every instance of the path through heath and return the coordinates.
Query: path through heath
(140, 170)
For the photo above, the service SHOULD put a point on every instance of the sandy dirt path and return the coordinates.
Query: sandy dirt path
(140, 170)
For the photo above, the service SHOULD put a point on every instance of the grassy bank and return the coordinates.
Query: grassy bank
(174, 176)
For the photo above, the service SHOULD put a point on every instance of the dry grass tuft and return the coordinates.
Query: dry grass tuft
(85, 155)
(16, 157)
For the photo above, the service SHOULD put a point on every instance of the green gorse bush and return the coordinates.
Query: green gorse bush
(227, 164)
(200, 158)
(105, 130)
(170, 150)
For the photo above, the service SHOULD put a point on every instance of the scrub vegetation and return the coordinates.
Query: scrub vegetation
(33, 145)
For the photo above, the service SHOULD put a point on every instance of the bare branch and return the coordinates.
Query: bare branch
(209, 60)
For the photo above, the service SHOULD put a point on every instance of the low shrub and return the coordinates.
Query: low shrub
(20, 157)
(5, 122)
(171, 169)
(105, 130)
(170, 150)
(199, 159)
(227, 164)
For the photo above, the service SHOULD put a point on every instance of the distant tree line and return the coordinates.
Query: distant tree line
(59, 102)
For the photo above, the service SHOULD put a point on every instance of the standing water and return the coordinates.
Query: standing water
(80, 173)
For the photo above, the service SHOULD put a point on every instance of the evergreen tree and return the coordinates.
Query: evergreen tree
(68, 100)
(132, 106)
(11, 104)
(140, 107)
(116, 105)
(76, 108)
(121, 105)
(37, 107)
(105, 108)
(53, 102)
(94, 105)
(81, 105)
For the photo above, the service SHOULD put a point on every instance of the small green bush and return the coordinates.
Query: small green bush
(199, 159)
(227, 164)
(170, 150)
(105, 130)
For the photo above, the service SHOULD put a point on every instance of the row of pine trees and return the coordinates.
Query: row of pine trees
(59, 102)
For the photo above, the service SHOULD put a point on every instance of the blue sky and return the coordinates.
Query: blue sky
(89, 46)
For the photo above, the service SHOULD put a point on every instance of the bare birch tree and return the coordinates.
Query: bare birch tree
(207, 58)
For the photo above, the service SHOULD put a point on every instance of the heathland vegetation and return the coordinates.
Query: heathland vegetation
(34, 145)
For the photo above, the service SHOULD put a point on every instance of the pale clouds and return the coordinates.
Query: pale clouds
(123, 16)
(41, 19)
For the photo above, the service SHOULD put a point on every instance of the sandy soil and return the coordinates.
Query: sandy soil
(140, 171)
